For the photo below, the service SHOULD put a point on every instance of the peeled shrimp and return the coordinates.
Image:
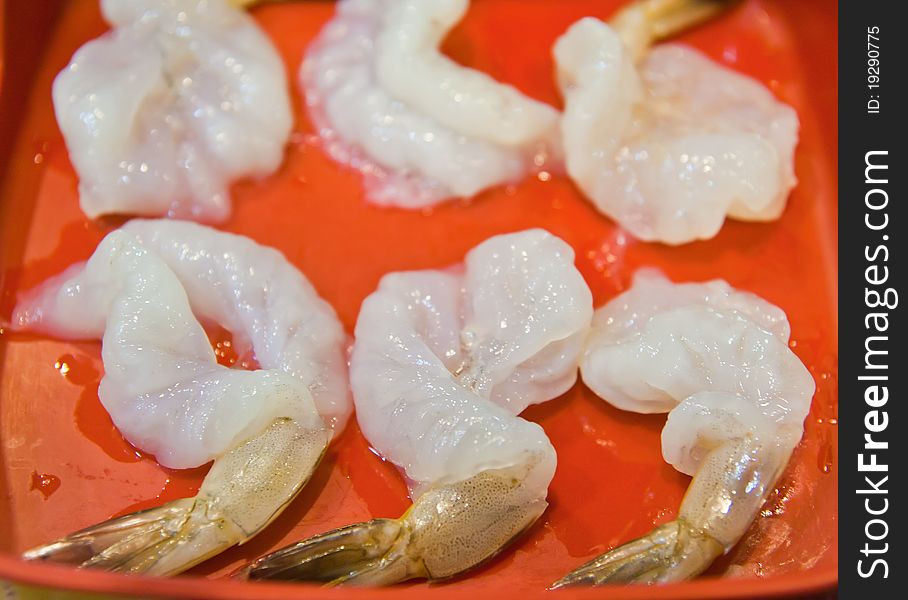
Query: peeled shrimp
(717, 360)
(163, 112)
(418, 126)
(664, 140)
(142, 292)
(442, 363)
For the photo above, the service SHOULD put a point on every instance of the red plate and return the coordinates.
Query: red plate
(64, 466)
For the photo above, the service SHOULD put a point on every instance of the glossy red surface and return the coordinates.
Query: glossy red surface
(64, 466)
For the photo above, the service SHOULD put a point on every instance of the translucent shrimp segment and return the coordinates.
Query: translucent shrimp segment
(162, 385)
(717, 360)
(164, 111)
(672, 145)
(168, 395)
(508, 328)
(443, 361)
(410, 66)
(271, 308)
(420, 128)
(654, 306)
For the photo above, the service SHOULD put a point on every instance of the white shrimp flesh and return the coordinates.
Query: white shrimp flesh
(143, 292)
(718, 361)
(670, 145)
(164, 111)
(419, 127)
(442, 363)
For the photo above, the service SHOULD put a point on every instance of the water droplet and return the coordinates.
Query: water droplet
(45, 483)
(226, 355)
(39, 150)
(826, 453)
(77, 370)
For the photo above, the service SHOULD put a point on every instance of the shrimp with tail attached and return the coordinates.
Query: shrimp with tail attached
(663, 140)
(442, 363)
(420, 128)
(266, 430)
(717, 360)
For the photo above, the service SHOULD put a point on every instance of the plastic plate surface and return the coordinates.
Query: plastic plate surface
(64, 466)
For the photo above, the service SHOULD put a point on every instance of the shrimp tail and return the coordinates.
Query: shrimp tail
(243, 492)
(724, 496)
(645, 22)
(369, 553)
(672, 552)
(176, 534)
(449, 528)
(112, 543)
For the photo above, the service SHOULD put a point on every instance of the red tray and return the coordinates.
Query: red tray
(64, 466)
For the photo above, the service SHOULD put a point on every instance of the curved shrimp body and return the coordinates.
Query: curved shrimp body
(663, 140)
(266, 429)
(418, 126)
(268, 305)
(163, 112)
(717, 360)
(442, 363)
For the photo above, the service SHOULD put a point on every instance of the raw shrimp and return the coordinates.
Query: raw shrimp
(665, 141)
(265, 430)
(164, 111)
(717, 360)
(418, 126)
(442, 363)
